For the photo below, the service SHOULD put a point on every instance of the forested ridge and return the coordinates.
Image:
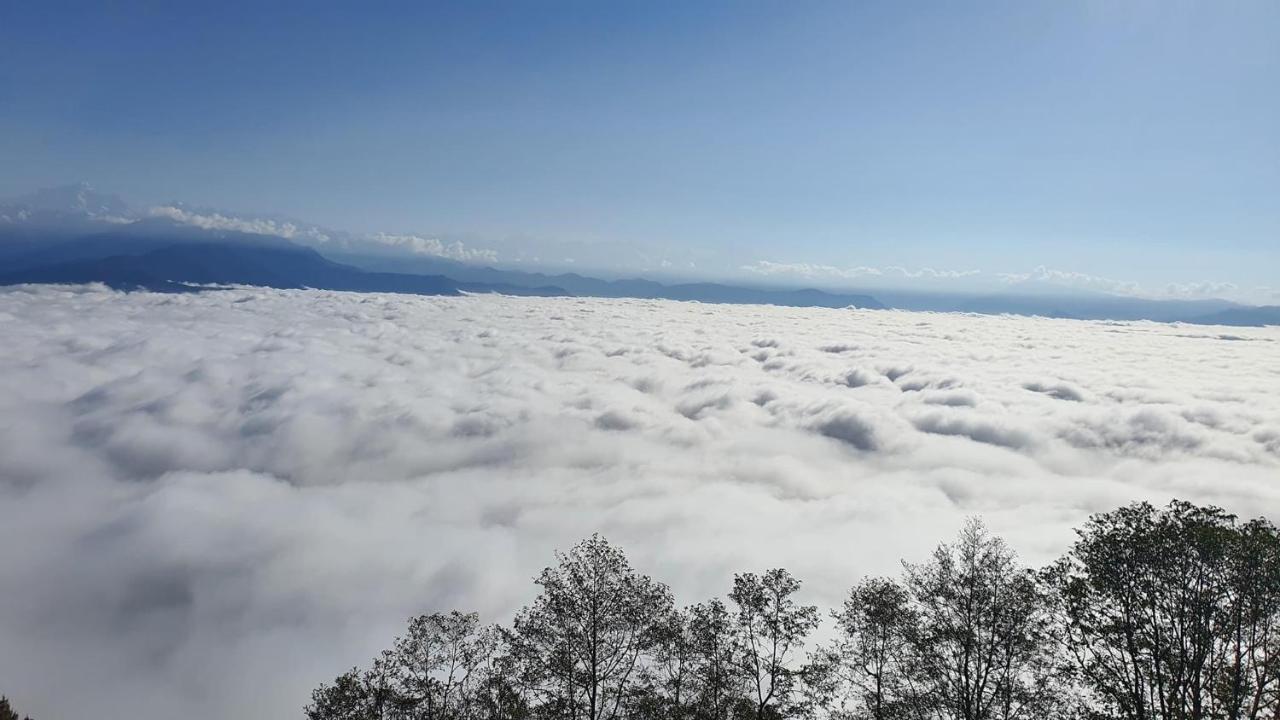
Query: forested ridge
(1152, 614)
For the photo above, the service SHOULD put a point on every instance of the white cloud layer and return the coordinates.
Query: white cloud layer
(210, 503)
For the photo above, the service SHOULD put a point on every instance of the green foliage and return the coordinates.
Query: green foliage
(582, 645)
(965, 636)
(1153, 614)
(1173, 613)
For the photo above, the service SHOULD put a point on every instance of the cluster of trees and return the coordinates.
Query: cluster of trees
(1153, 614)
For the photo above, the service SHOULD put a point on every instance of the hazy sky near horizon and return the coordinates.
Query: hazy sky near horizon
(1134, 141)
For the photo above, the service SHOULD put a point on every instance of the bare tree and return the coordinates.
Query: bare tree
(770, 630)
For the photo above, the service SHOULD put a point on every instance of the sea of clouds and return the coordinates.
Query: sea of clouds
(209, 503)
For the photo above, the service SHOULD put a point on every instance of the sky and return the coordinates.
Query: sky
(1117, 145)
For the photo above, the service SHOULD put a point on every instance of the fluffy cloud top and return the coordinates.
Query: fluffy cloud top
(209, 503)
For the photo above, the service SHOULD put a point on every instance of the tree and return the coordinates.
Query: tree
(1173, 613)
(866, 669)
(980, 640)
(964, 636)
(582, 644)
(7, 712)
(769, 633)
(446, 667)
(438, 665)
(717, 686)
(355, 695)
(671, 668)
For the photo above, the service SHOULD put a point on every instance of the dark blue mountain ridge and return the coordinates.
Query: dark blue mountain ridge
(189, 265)
(1245, 316)
(1049, 302)
(148, 258)
(584, 286)
(160, 254)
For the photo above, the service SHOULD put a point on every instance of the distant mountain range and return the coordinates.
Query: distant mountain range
(75, 235)
(71, 235)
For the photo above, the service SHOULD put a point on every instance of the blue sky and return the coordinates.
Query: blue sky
(1126, 142)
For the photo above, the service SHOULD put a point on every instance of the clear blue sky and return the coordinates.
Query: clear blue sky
(1138, 141)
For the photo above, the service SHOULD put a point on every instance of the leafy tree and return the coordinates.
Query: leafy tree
(581, 646)
(447, 667)
(1173, 613)
(866, 670)
(438, 666)
(769, 633)
(355, 695)
(964, 636)
(7, 712)
(717, 686)
(499, 694)
(671, 668)
(1154, 614)
(980, 640)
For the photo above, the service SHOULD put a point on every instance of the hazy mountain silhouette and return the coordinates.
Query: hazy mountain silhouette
(160, 254)
(74, 234)
(1243, 316)
(584, 286)
(155, 256)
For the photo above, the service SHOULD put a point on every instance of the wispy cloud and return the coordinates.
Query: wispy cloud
(218, 221)
(1079, 280)
(1072, 279)
(928, 272)
(414, 244)
(1201, 289)
(420, 245)
(809, 270)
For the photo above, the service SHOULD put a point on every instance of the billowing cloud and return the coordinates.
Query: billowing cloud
(210, 503)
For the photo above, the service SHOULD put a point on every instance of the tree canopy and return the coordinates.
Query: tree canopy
(1153, 613)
